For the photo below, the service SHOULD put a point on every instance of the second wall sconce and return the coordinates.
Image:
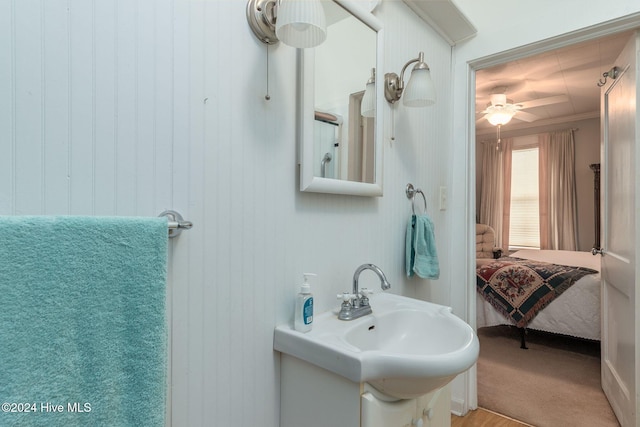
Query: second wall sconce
(420, 91)
(298, 23)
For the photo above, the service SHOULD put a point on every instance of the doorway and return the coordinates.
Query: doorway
(505, 61)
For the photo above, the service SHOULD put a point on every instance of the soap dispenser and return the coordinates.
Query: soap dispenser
(303, 316)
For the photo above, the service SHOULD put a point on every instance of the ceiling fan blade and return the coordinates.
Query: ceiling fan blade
(526, 117)
(558, 99)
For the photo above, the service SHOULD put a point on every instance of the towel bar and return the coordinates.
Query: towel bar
(176, 223)
(411, 194)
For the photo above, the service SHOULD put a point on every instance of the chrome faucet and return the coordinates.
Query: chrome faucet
(356, 304)
(323, 165)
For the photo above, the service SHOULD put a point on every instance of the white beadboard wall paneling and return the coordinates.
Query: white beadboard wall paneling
(88, 107)
(104, 107)
(163, 78)
(181, 281)
(422, 143)
(56, 105)
(145, 104)
(82, 93)
(224, 294)
(240, 357)
(225, 193)
(204, 243)
(126, 138)
(28, 109)
(7, 110)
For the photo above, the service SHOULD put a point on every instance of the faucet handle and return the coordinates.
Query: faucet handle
(364, 299)
(366, 292)
(346, 296)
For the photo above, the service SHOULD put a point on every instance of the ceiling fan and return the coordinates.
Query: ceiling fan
(500, 110)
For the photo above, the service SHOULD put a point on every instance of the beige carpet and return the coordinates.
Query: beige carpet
(556, 382)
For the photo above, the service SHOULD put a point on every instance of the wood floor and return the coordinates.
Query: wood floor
(484, 418)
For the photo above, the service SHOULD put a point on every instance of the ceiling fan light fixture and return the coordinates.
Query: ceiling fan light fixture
(500, 114)
(499, 118)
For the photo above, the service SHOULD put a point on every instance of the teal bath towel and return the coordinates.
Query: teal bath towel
(421, 256)
(83, 338)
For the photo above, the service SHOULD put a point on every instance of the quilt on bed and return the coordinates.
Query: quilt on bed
(519, 288)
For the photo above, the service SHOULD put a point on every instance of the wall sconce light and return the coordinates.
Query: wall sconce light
(298, 23)
(420, 90)
(368, 105)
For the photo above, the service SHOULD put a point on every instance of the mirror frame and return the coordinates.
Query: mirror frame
(306, 113)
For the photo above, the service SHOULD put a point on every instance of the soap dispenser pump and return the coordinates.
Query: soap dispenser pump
(303, 317)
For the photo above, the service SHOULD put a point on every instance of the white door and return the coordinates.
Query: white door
(620, 296)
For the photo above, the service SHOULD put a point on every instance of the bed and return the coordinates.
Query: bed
(575, 312)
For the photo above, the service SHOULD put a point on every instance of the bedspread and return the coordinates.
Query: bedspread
(519, 288)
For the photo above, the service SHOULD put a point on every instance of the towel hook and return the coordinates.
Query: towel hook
(411, 194)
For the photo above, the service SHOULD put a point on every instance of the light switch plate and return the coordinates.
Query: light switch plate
(443, 198)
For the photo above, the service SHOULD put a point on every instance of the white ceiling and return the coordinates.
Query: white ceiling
(572, 71)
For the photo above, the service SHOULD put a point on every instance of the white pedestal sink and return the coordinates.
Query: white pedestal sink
(405, 348)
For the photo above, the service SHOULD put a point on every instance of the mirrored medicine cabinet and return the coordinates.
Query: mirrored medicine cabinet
(341, 149)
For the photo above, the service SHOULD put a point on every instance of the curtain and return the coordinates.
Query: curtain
(558, 202)
(492, 188)
(506, 203)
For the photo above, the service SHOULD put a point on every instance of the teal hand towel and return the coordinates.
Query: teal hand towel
(421, 256)
(83, 337)
(410, 257)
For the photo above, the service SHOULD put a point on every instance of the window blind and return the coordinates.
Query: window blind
(524, 223)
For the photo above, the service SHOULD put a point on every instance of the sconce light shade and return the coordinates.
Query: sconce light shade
(368, 105)
(420, 91)
(298, 23)
(301, 23)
